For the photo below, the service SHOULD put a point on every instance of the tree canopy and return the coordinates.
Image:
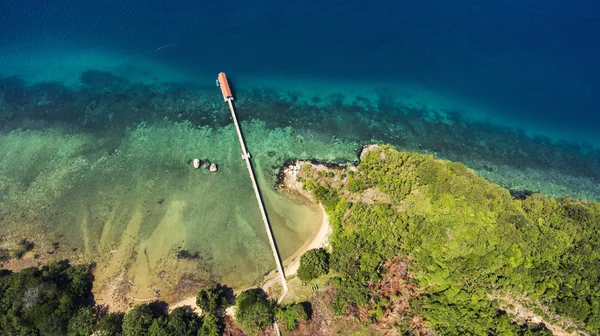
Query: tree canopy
(212, 299)
(313, 263)
(254, 312)
(471, 245)
(45, 301)
(290, 315)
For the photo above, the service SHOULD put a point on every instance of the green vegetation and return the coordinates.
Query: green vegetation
(139, 320)
(313, 264)
(211, 326)
(110, 324)
(82, 324)
(254, 312)
(56, 300)
(46, 301)
(471, 246)
(290, 315)
(212, 300)
(327, 196)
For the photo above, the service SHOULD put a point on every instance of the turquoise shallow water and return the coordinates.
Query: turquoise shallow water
(101, 163)
(99, 122)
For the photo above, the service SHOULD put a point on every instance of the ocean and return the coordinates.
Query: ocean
(103, 105)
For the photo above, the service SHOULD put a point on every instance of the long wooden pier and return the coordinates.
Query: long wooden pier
(228, 97)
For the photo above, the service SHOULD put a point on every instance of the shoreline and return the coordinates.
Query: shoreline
(319, 238)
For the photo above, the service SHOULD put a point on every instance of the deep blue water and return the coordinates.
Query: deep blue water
(536, 61)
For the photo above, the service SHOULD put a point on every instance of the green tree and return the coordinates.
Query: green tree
(159, 327)
(313, 264)
(290, 315)
(183, 322)
(211, 300)
(327, 196)
(253, 311)
(138, 321)
(110, 324)
(211, 326)
(82, 324)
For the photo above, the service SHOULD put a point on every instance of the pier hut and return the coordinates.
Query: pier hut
(225, 89)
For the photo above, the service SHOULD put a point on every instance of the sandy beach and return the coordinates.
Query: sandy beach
(319, 238)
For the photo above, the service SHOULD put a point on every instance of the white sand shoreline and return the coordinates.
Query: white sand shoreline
(320, 238)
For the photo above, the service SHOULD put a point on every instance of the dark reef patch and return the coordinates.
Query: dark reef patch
(108, 103)
(520, 194)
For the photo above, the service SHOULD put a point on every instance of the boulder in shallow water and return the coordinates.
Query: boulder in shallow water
(205, 164)
(213, 168)
(196, 163)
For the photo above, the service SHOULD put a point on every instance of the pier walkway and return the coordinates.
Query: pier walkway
(228, 97)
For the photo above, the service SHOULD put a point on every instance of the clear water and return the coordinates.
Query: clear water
(104, 103)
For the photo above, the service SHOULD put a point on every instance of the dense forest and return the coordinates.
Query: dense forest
(56, 300)
(465, 256)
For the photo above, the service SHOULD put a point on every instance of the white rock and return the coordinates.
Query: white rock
(213, 168)
(196, 163)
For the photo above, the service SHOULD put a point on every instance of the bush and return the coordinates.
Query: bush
(290, 315)
(183, 322)
(211, 326)
(138, 321)
(253, 311)
(308, 185)
(110, 324)
(354, 186)
(211, 300)
(313, 264)
(349, 292)
(327, 196)
(82, 324)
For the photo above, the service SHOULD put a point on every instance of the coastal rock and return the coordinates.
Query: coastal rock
(213, 168)
(205, 163)
(196, 163)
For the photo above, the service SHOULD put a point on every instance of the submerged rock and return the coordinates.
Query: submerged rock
(213, 168)
(196, 163)
(205, 163)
